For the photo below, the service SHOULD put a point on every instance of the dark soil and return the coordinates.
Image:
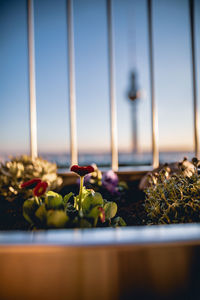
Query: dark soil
(133, 213)
(11, 217)
(131, 206)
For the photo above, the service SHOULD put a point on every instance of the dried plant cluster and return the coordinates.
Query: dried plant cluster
(172, 197)
(23, 168)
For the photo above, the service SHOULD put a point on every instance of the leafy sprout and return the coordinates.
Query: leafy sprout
(87, 209)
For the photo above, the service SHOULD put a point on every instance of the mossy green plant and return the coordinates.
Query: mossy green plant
(174, 198)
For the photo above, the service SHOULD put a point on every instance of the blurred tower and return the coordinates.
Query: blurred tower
(133, 92)
(133, 95)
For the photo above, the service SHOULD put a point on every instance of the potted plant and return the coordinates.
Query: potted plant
(85, 210)
(112, 263)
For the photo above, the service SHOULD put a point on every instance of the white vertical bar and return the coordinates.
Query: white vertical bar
(194, 86)
(32, 97)
(155, 149)
(72, 95)
(113, 114)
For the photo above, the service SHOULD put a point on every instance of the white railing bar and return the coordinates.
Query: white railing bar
(194, 86)
(71, 76)
(155, 150)
(32, 92)
(113, 113)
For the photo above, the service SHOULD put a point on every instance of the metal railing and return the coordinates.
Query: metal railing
(113, 117)
(194, 86)
(32, 92)
(72, 94)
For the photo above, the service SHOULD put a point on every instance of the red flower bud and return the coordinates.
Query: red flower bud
(82, 171)
(102, 214)
(31, 183)
(40, 188)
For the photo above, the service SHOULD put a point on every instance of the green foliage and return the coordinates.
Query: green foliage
(90, 201)
(20, 169)
(110, 210)
(174, 198)
(53, 200)
(56, 219)
(67, 197)
(41, 214)
(29, 209)
(55, 211)
(118, 221)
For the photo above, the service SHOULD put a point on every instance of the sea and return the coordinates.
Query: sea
(103, 160)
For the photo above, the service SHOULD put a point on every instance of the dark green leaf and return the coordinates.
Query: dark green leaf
(71, 211)
(53, 200)
(110, 210)
(118, 221)
(94, 213)
(29, 209)
(41, 213)
(85, 224)
(67, 197)
(90, 201)
(56, 219)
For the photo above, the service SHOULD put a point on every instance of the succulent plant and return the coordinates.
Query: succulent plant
(172, 197)
(22, 168)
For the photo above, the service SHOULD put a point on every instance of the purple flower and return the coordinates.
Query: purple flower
(110, 181)
(110, 177)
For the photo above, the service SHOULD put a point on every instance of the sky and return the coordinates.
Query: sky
(172, 58)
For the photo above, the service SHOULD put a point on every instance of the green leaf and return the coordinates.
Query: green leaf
(53, 200)
(94, 213)
(97, 199)
(67, 197)
(86, 192)
(29, 209)
(71, 210)
(41, 213)
(56, 219)
(84, 224)
(90, 201)
(110, 210)
(52, 194)
(118, 221)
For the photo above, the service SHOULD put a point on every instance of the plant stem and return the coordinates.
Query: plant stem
(81, 191)
(95, 222)
(37, 200)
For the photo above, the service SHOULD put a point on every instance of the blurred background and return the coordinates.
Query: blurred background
(173, 80)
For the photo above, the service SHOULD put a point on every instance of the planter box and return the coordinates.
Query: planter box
(157, 262)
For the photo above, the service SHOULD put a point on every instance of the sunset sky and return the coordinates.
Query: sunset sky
(172, 56)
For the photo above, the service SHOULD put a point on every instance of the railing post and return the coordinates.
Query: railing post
(155, 149)
(194, 86)
(32, 93)
(71, 76)
(113, 114)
